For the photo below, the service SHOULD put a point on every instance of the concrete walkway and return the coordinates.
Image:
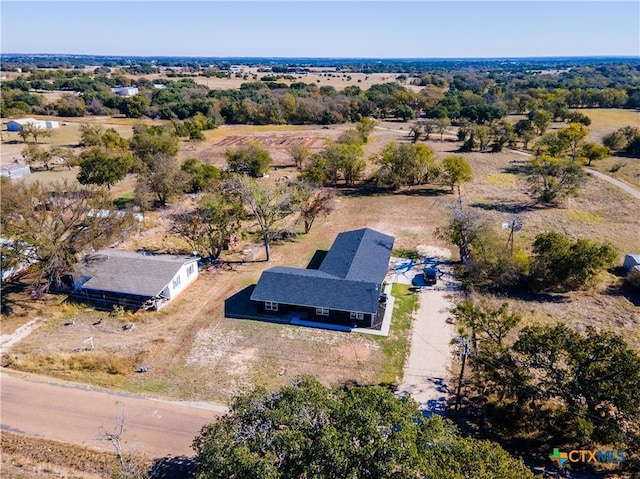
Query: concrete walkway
(426, 372)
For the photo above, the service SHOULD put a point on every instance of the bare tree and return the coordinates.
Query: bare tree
(312, 202)
(52, 226)
(129, 466)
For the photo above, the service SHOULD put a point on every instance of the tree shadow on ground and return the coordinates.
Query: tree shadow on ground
(506, 207)
(624, 291)
(371, 189)
(15, 298)
(517, 167)
(537, 296)
(179, 467)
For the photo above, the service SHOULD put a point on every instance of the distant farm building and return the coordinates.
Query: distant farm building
(631, 262)
(17, 125)
(125, 91)
(130, 279)
(345, 289)
(14, 170)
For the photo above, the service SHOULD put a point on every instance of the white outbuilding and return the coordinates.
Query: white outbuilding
(631, 262)
(17, 125)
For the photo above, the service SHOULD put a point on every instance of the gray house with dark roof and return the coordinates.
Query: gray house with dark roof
(131, 279)
(346, 288)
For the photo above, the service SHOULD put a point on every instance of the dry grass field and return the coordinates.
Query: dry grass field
(605, 121)
(193, 352)
(338, 80)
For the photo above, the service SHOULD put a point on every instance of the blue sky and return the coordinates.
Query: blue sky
(378, 29)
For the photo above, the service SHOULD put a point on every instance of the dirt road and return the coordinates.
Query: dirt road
(77, 414)
(426, 372)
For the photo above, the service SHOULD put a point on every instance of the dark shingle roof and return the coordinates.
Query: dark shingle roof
(128, 272)
(348, 279)
(312, 288)
(359, 255)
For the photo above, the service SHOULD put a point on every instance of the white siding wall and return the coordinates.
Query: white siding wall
(181, 280)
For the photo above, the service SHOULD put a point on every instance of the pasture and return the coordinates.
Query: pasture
(194, 352)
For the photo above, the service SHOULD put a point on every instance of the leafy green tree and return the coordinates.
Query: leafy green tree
(315, 173)
(441, 126)
(91, 135)
(577, 117)
(551, 179)
(587, 382)
(350, 137)
(306, 430)
(406, 164)
(112, 140)
(201, 176)
(163, 178)
(552, 144)
(573, 135)
(99, 166)
(541, 119)
(150, 141)
(484, 322)
(208, 228)
(268, 204)
(365, 127)
(404, 112)
(33, 153)
(456, 171)
(593, 152)
(135, 106)
(343, 160)
(502, 133)
(558, 262)
(299, 153)
(525, 130)
(253, 160)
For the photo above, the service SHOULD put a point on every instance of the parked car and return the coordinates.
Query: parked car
(430, 275)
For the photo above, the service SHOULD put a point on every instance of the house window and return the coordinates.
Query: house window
(190, 270)
(271, 306)
(355, 315)
(322, 311)
(176, 282)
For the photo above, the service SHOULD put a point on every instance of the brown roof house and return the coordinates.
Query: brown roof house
(130, 279)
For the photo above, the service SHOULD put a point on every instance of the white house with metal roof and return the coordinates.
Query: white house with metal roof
(132, 279)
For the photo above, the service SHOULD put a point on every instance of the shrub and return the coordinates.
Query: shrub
(558, 262)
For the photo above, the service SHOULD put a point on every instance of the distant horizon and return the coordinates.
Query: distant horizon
(324, 29)
(250, 57)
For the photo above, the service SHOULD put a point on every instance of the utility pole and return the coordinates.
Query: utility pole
(463, 352)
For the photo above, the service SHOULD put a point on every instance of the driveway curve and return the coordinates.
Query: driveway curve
(620, 184)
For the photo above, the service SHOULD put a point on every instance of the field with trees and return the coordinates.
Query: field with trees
(269, 171)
